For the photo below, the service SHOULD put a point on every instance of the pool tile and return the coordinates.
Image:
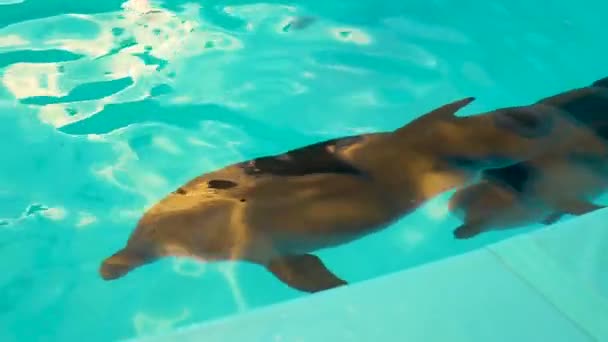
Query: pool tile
(566, 264)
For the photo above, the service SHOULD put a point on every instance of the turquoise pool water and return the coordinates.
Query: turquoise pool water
(106, 106)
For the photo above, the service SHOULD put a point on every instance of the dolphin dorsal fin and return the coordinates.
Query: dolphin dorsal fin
(444, 112)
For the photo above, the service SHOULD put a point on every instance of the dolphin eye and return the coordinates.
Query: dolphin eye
(221, 184)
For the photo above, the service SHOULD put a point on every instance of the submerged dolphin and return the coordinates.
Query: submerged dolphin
(538, 191)
(276, 210)
(541, 190)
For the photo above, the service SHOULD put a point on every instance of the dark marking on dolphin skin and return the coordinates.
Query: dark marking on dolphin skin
(221, 184)
(468, 163)
(525, 121)
(515, 176)
(601, 129)
(180, 191)
(602, 83)
(316, 158)
(588, 106)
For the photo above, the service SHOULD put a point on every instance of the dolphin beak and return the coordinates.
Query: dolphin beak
(121, 263)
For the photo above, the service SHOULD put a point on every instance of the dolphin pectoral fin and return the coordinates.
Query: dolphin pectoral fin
(467, 231)
(579, 207)
(304, 272)
(552, 218)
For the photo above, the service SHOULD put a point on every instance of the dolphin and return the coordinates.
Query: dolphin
(561, 181)
(537, 191)
(277, 210)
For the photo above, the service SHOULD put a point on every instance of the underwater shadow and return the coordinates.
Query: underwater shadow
(37, 56)
(84, 92)
(185, 116)
(38, 9)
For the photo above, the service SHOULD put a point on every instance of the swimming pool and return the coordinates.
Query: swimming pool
(107, 106)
